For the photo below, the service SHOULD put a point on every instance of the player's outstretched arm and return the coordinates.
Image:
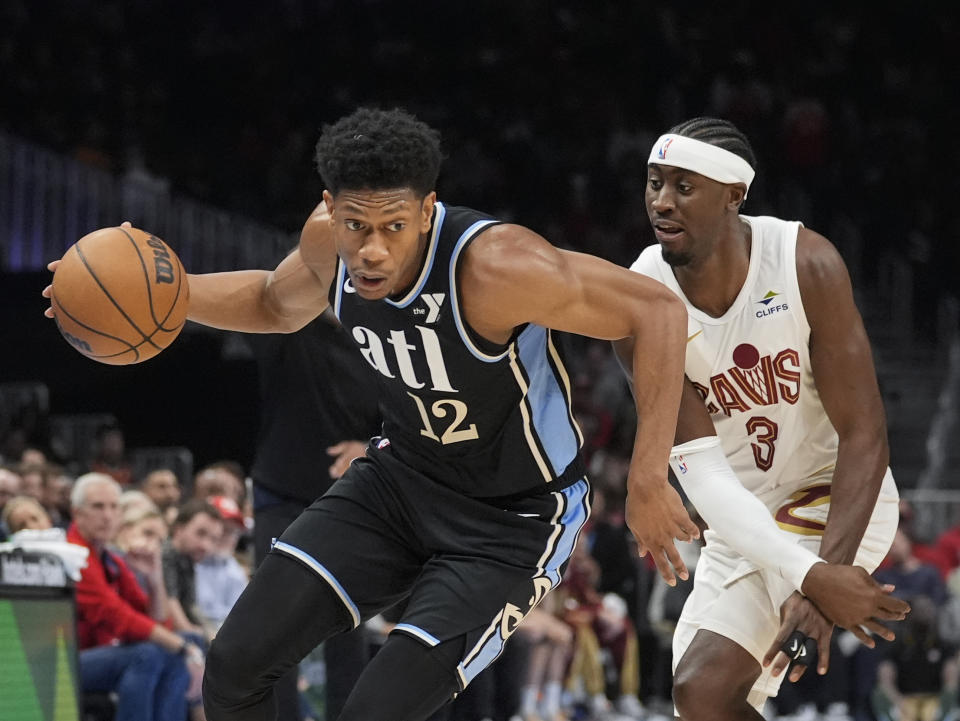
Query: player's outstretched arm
(279, 301)
(511, 276)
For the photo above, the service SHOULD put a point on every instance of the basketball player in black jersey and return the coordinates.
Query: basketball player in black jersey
(470, 502)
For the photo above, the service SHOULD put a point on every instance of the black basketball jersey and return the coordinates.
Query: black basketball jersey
(486, 419)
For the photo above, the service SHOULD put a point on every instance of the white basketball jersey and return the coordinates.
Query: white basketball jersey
(752, 367)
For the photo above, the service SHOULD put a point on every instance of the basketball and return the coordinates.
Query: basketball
(120, 295)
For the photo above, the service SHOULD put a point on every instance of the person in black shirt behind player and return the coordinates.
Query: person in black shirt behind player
(470, 503)
(317, 400)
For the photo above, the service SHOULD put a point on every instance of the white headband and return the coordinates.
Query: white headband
(709, 160)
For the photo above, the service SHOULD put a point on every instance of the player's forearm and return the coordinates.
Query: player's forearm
(857, 478)
(239, 301)
(735, 514)
(658, 358)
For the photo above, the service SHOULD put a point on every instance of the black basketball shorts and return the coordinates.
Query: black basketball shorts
(467, 567)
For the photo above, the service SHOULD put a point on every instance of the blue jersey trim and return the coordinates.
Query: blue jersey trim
(427, 638)
(415, 291)
(321, 571)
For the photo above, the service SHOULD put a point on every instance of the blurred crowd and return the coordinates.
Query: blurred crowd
(548, 112)
(599, 647)
(225, 108)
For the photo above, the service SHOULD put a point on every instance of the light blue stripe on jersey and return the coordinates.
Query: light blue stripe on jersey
(578, 509)
(427, 638)
(577, 499)
(321, 571)
(548, 403)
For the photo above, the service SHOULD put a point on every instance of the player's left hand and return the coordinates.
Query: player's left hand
(656, 517)
(52, 267)
(798, 614)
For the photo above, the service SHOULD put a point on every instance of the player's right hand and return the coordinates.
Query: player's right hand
(852, 599)
(656, 517)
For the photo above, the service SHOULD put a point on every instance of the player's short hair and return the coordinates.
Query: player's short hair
(373, 149)
(721, 133)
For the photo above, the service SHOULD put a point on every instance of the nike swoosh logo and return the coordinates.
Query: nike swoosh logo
(803, 652)
(794, 647)
(348, 286)
(690, 338)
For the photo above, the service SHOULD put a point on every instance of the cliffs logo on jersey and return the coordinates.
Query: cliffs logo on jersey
(752, 381)
(769, 307)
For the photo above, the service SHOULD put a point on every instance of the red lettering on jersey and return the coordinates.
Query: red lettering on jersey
(760, 373)
(767, 433)
(726, 394)
(790, 388)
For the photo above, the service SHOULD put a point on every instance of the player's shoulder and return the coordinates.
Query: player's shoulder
(507, 247)
(650, 262)
(317, 246)
(820, 266)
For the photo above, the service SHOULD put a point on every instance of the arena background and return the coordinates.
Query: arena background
(547, 112)
(196, 121)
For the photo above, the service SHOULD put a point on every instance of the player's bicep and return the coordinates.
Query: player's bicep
(593, 297)
(295, 291)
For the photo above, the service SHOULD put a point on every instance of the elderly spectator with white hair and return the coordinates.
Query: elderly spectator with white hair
(10, 485)
(126, 648)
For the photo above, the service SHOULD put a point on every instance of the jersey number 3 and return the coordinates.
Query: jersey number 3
(454, 432)
(767, 432)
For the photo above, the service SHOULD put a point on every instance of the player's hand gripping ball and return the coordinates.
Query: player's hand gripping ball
(120, 295)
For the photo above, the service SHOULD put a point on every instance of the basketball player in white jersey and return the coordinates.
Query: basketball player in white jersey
(778, 355)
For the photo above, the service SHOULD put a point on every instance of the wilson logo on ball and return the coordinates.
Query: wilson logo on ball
(161, 260)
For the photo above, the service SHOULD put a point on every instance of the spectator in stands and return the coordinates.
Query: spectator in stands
(551, 647)
(911, 576)
(33, 456)
(600, 622)
(56, 495)
(133, 500)
(220, 578)
(194, 536)
(22, 512)
(221, 478)
(163, 488)
(34, 479)
(10, 485)
(917, 678)
(110, 454)
(141, 536)
(126, 649)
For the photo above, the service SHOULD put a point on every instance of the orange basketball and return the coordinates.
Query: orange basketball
(120, 295)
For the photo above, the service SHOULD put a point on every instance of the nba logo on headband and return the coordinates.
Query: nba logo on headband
(662, 152)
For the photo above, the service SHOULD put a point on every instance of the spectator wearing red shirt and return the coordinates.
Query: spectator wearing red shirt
(125, 648)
